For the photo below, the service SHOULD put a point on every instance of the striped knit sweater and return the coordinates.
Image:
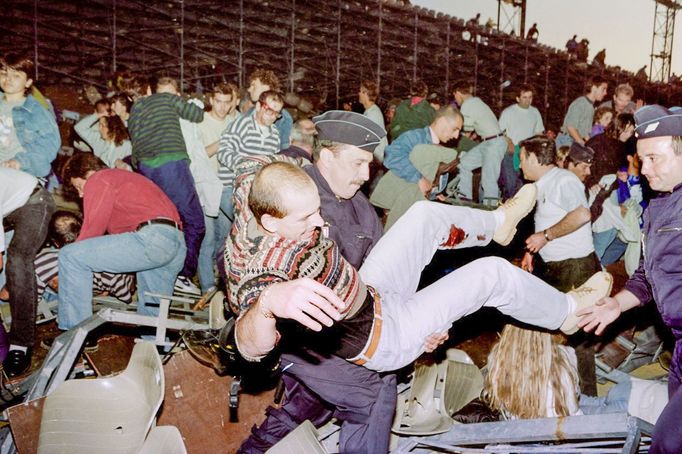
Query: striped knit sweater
(244, 138)
(254, 260)
(154, 127)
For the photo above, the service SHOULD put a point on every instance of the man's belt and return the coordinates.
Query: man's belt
(493, 137)
(375, 334)
(160, 221)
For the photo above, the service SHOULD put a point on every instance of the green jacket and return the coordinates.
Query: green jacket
(408, 117)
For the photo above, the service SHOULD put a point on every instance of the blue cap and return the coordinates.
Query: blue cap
(657, 121)
(350, 128)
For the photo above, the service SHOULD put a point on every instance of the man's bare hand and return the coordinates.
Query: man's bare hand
(433, 341)
(11, 164)
(304, 300)
(527, 262)
(599, 316)
(535, 242)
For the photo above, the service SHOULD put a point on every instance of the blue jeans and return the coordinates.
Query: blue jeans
(608, 247)
(155, 252)
(487, 156)
(176, 181)
(563, 139)
(207, 254)
(616, 401)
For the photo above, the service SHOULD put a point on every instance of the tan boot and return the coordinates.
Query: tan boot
(514, 210)
(596, 288)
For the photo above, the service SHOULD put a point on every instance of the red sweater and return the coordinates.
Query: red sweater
(118, 201)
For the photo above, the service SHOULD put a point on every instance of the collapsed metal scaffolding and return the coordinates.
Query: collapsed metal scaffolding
(321, 49)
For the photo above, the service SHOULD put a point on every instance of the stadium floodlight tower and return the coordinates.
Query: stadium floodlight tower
(662, 39)
(511, 17)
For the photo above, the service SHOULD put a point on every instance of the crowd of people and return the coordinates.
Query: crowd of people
(283, 217)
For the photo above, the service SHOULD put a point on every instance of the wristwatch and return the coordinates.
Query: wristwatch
(544, 232)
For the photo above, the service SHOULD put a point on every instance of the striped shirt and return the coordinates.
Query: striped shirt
(119, 286)
(242, 139)
(154, 127)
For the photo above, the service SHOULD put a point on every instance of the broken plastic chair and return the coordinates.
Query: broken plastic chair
(105, 415)
(216, 311)
(437, 392)
(301, 440)
(163, 440)
(463, 382)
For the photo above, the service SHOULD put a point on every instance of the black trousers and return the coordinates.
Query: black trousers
(30, 223)
(321, 387)
(565, 275)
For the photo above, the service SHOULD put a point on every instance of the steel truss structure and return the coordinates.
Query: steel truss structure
(320, 49)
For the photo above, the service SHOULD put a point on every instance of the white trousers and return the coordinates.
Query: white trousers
(395, 264)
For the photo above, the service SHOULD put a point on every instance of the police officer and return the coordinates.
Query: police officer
(658, 277)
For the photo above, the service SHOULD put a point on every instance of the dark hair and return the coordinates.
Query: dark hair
(118, 133)
(420, 89)
(78, 166)
(524, 88)
(103, 102)
(19, 62)
(134, 85)
(123, 98)
(619, 123)
(595, 81)
(371, 88)
(64, 228)
(542, 147)
(225, 88)
(266, 77)
(463, 87)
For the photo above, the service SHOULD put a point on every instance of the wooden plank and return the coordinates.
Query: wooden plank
(112, 354)
(24, 421)
(196, 402)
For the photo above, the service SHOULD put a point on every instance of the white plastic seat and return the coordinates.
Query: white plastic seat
(164, 440)
(106, 415)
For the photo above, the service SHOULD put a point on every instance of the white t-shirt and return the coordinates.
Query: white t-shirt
(559, 193)
(374, 114)
(210, 130)
(520, 123)
(9, 142)
(479, 117)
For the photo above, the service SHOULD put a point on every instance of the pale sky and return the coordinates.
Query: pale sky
(623, 27)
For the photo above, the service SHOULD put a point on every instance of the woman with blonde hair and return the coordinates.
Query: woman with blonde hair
(532, 375)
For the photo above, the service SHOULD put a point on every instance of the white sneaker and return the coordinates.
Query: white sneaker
(514, 210)
(185, 285)
(596, 287)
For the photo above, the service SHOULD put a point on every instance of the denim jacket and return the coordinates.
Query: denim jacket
(38, 133)
(659, 275)
(397, 154)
